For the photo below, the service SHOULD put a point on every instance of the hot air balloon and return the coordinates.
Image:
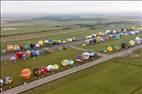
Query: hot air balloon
(10, 48)
(85, 55)
(1, 82)
(37, 71)
(19, 54)
(71, 62)
(56, 67)
(24, 57)
(28, 53)
(138, 40)
(17, 48)
(32, 45)
(44, 70)
(124, 45)
(37, 45)
(40, 42)
(79, 59)
(12, 58)
(26, 73)
(132, 43)
(110, 49)
(8, 80)
(50, 68)
(65, 62)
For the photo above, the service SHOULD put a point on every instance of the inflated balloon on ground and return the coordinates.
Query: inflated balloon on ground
(8, 80)
(26, 73)
(1, 82)
(19, 54)
(37, 71)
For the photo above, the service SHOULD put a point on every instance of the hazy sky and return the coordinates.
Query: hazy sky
(47, 7)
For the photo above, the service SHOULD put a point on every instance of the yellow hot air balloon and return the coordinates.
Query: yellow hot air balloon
(110, 49)
(131, 42)
(65, 62)
(40, 42)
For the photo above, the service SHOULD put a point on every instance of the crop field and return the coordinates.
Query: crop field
(117, 76)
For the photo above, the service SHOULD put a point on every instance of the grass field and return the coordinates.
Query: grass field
(106, 78)
(55, 57)
(64, 34)
(112, 43)
(117, 76)
(13, 70)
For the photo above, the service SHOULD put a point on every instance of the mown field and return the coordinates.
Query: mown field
(53, 58)
(92, 80)
(13, 69)
(112, 43)
(117, 76)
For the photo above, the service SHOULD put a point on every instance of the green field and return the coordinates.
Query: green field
(112, 43)
(13, 70)
(78, 33)
(54, 58)
(117, 76)
(106, 78)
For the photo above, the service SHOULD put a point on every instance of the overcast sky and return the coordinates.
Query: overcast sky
(48, 7)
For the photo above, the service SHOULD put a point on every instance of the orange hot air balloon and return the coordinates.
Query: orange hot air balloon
(26, 73)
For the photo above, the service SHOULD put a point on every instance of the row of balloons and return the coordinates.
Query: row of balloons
(21, 55)
(27, 72)
(93, 38)
(40, 43)
(124, 45)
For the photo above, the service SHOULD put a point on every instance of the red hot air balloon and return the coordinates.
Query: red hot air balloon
(44, 70)
(19, 55)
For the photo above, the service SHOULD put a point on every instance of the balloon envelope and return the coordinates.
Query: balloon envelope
(1, 82)
(40, 42)
(56, 67)
(50, 67)
(28, 53)
(44, 70)
(132, 42)
(109, 49)
(26, 73)
(65, 62)
(12, 58)
(37, 71)
(85, 55)
(8, 80)
(10, 48)
(71, 62)
(19, 54)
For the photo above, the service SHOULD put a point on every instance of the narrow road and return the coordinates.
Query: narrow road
(59, 75)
